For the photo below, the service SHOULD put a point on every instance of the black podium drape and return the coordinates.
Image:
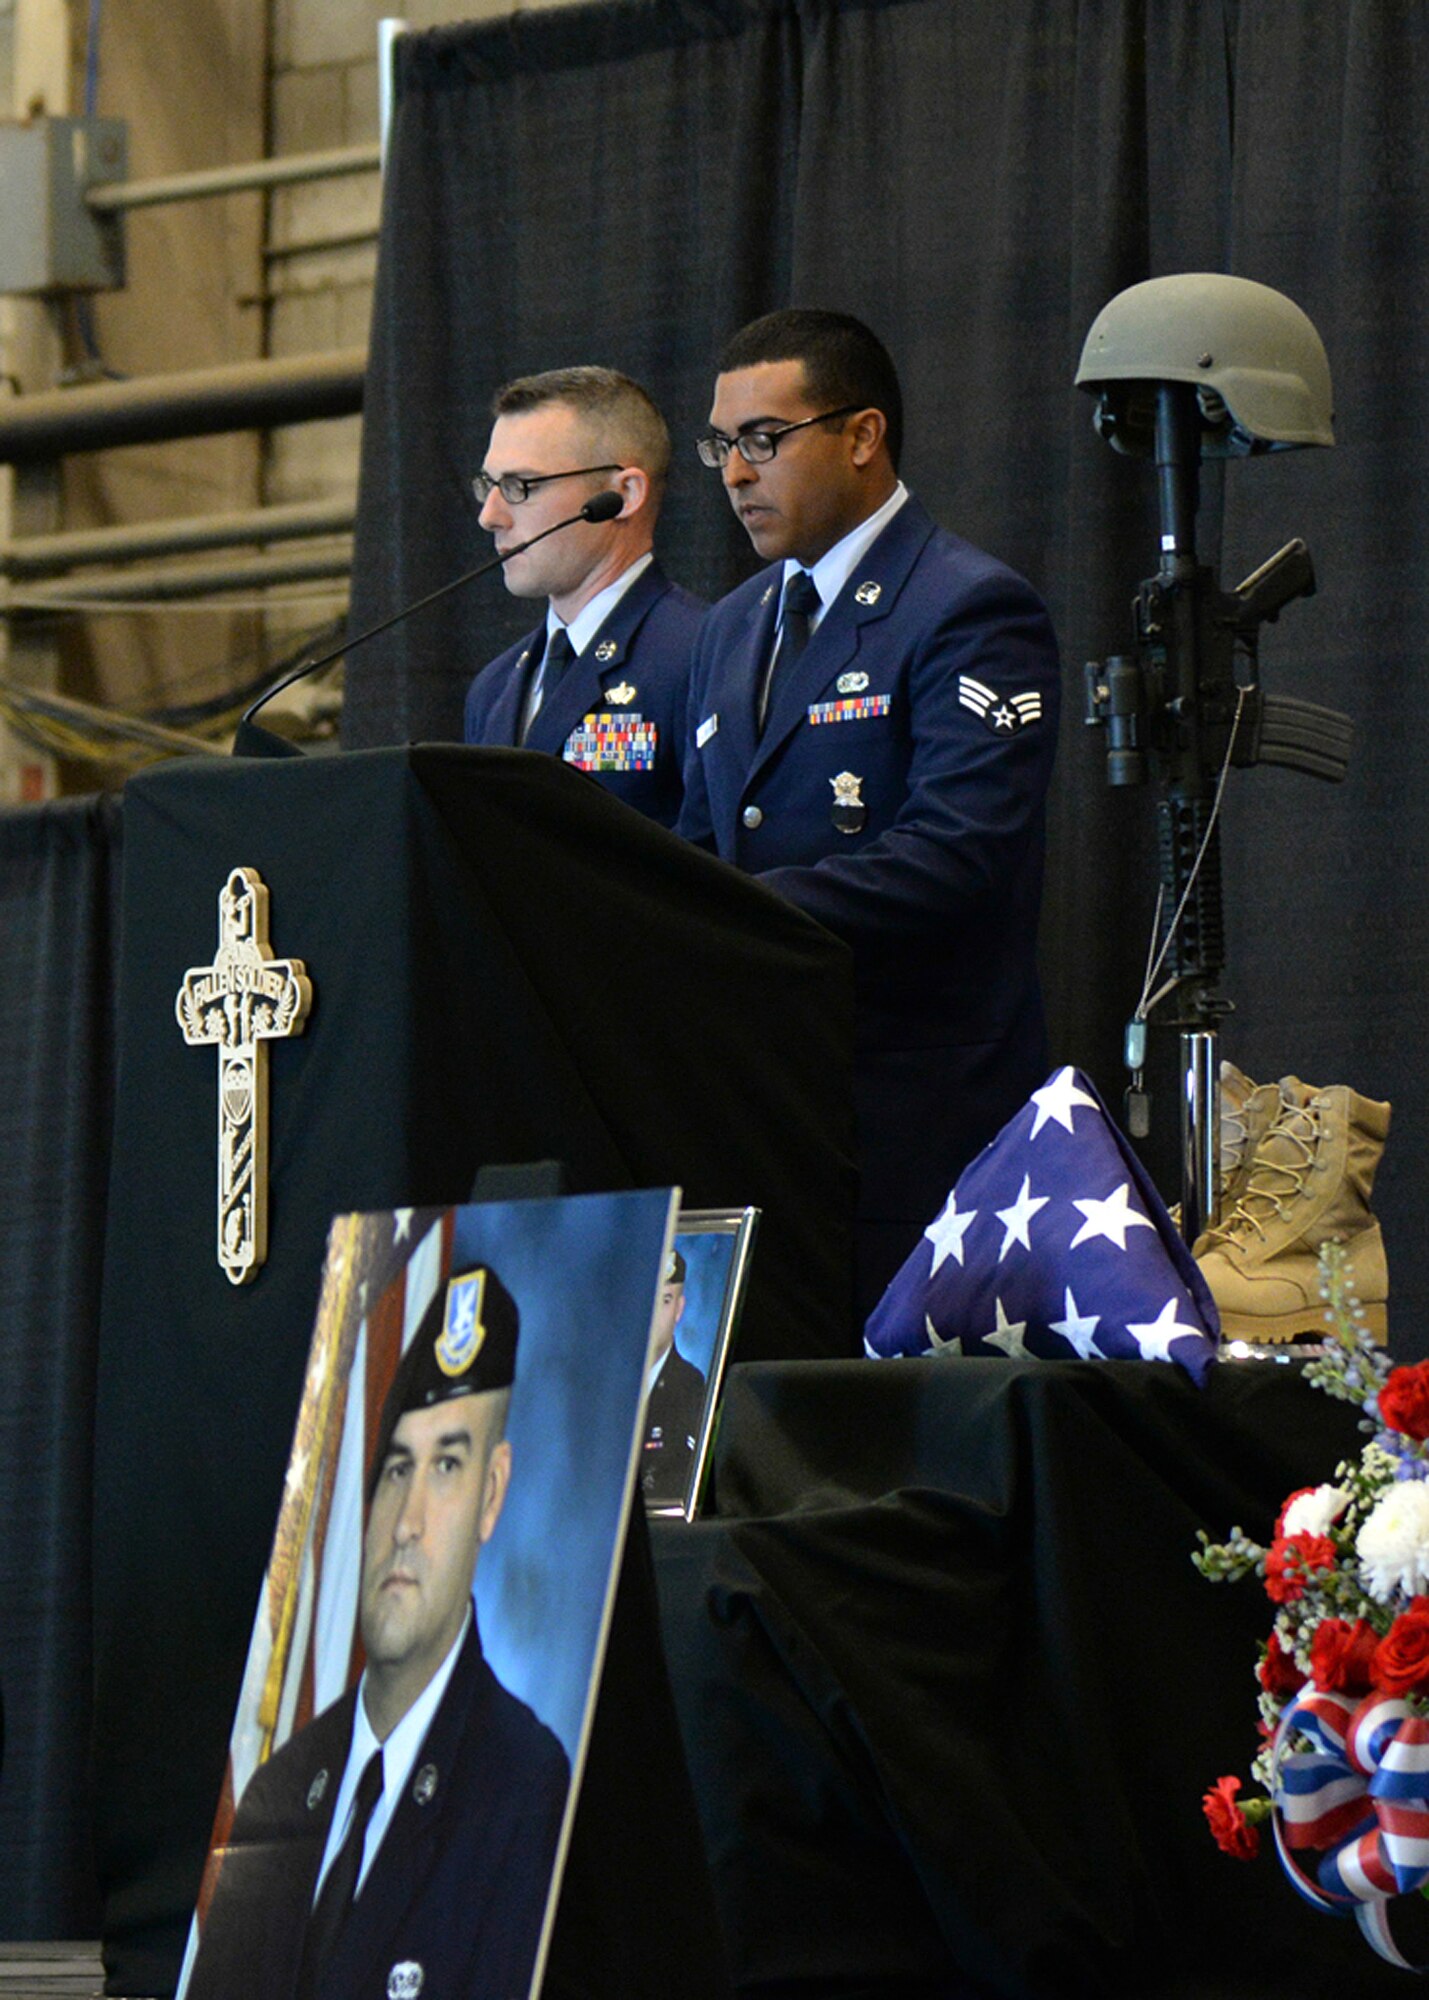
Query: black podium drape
(507, 964)
(627, 183)
(951, 1701)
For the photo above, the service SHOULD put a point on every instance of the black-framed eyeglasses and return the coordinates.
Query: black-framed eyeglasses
(758, 447)
(514, 487)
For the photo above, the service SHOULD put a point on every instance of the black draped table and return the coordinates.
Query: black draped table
(951, 1689)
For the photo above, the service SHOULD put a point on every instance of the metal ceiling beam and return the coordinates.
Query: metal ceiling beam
(52, 555)
(240, 396)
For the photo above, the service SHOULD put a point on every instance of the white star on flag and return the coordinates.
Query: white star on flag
(1007, 1335)
(1078, 1328)
(1110, 1218)
(1154, 1337)
(935, 1344)
(1056, 1099)
(1092, 1282)
(947, 1233)
(1017, 1219)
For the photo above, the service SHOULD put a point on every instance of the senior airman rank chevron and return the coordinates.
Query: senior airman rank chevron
(1053, 1244)
(1004, 714)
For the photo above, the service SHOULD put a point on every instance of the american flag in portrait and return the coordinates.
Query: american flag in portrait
(1053, 1245)
(379, 1276)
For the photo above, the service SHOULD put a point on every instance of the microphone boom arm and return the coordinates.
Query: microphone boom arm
(602, 506)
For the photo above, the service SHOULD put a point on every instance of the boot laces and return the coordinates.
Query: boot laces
(1286, 1155)
(1235, 1137)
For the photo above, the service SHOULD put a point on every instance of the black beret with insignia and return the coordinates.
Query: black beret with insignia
(464, 1345)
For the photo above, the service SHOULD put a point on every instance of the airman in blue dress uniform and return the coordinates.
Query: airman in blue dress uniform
(614, 704)
(402, 1844)
(871, 732)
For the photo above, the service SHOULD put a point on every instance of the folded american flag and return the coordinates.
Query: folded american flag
(1054, 1243)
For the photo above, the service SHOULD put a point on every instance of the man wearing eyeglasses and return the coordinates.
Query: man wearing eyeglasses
(602, 682)
(871, 732)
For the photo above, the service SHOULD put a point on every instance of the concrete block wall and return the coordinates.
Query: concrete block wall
(324, 94)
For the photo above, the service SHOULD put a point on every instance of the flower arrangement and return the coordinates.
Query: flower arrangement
(1344, 1673)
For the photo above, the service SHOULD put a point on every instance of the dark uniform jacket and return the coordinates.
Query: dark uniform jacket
(897, 795)
(618, 710)
(672, 1428)
(457, 1888)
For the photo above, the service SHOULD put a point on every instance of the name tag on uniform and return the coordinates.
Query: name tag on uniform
(705, 731)
(607, 742)
(858, 708)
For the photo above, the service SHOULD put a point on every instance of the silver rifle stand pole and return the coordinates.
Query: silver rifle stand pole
(1200, 1131)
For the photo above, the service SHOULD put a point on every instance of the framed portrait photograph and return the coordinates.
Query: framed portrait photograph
(412, 1725)
(697, 1312)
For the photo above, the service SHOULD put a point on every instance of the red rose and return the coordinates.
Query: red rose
(1404, 1400)
(1342, 1656)
(1401, 1659)
(1278, 1672)
(1290, 1559)
(1233, 1834)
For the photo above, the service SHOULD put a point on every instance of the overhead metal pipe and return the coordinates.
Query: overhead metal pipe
(52, 555)
(388, 30)
(318, 246)
(240, 396)
(108, 196)
(197, 580)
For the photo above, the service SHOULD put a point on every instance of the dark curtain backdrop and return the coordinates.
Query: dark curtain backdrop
(627, 183)
(59, 870)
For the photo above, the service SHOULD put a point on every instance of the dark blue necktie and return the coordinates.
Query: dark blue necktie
(558, 656)
(335, 1897)
(801, 601)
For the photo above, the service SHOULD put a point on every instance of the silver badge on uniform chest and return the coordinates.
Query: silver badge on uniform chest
(851, 683)
(404, 1981)
(850, 814)
(868, 593)
(424, 1790)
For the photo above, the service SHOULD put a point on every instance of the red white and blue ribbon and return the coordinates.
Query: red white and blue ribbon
(1359, 1797)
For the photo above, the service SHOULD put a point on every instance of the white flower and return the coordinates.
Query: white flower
(1316, 1513)
(1393, 1543)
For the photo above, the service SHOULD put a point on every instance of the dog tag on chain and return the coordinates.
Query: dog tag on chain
(1138, 1101)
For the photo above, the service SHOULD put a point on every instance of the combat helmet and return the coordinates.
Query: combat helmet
(1257, 363)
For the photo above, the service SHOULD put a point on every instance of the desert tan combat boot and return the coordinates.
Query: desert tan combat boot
(1310, 1180)
(1248, 1110)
